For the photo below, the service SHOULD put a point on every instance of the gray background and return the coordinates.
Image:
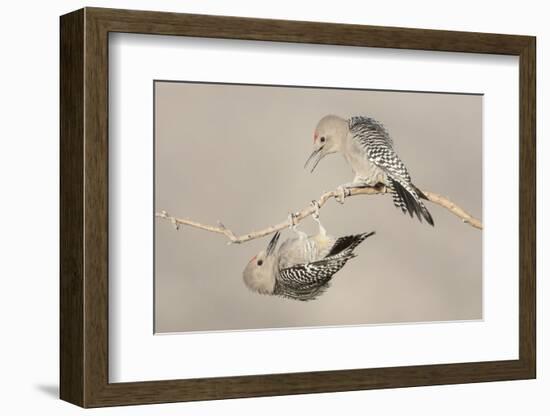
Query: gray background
(236, 153)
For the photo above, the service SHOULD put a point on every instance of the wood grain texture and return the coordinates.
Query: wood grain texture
(527, 208)
(71, 213)
(225, 27)
(84, 207)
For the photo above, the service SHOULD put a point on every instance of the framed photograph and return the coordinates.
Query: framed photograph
(255, 207)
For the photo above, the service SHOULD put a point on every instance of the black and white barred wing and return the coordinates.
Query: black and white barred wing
(375, 141)
(377, 145)
(306, 281)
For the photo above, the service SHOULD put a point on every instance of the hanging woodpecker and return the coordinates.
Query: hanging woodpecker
(300, 268)
(368, 148)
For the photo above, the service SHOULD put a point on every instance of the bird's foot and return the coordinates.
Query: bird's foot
(316, 207)
(316, 215)
(342, 192)
(292, 219)
(345, 190)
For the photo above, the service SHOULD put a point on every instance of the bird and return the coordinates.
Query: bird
(368, 148)
(302, 267)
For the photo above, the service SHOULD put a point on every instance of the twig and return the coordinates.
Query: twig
(454, 208)
(306, 212)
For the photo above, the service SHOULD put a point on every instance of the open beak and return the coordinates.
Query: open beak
(316, 156)
(273, 243)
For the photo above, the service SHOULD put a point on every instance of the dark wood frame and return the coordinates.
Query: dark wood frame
(84, 207)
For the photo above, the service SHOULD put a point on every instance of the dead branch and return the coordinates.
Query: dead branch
(306, 212)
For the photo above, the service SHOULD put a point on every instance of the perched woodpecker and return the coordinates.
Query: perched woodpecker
(368, 148)
(300, 268)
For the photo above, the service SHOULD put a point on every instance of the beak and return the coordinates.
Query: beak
(316, 156)
(273, 243)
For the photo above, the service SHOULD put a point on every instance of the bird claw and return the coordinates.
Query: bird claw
(292, 220)
(293, 224)
(342, 193)
(317, 207)
(316, 216)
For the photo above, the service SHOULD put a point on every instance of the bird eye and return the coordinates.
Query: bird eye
(260, 262)
(322, 139)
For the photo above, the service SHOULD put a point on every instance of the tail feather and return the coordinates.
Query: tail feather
(407, 197)
(420, 193)
(347, 244)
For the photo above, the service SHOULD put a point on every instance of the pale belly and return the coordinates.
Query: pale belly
(309, 249)
(364, 170)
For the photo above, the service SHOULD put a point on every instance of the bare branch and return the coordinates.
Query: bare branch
(454, 208)
(306, 212)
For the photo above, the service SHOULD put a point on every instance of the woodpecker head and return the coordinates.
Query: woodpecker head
(327, 138)
(259, 273)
